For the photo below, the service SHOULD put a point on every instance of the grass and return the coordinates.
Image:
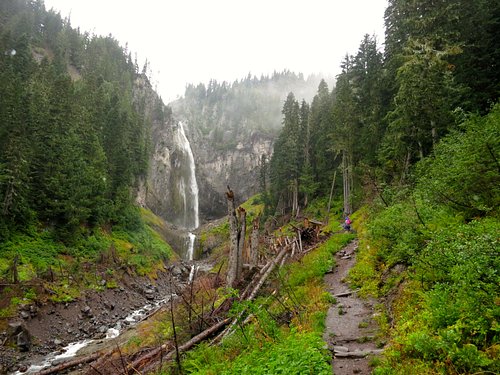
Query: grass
(88, 262)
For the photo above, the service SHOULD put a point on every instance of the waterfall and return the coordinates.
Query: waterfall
(190, 252)
(187, 188)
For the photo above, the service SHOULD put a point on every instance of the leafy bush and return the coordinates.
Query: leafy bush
(451, 318)
(463, 172)
(397, 233)
(295, 354)
(266, 345)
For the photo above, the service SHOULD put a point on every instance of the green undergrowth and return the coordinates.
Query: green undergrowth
(439, 277)
(285, 328)
(92, 260)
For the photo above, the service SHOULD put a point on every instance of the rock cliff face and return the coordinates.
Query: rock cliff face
(154, 191)
(236, 165)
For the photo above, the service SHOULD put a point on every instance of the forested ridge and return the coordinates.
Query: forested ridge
(224, 111)
(409, 139)
(74, 143)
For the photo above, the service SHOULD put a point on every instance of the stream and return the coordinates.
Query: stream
(187, 217)
(72, 349)
(119, 328)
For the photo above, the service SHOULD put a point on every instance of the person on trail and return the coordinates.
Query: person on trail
(347, 223)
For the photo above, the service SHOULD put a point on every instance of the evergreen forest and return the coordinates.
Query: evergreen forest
(74, 144)
(409, 141)
(406, 142)
(242, 107)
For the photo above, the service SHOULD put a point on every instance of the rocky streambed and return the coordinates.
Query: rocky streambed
(47, 334)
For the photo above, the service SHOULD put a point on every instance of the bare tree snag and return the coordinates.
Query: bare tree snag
(254, 243)
(237, 230)
(242, 230)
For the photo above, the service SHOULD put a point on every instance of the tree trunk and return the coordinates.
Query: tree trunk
(237, 231)
(254, 243)
(295, 207)
(15, 273)
(330, 199)
(346, 175)
(233, 237)
(242, 230)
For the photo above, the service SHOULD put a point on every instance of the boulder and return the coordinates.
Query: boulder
(23, 340)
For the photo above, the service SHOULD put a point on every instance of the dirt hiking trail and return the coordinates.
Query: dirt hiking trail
(350, 326)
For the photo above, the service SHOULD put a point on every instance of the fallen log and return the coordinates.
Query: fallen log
(267, 273)
(70, 364)
(345, 294)
(254, 292)
(143, 361)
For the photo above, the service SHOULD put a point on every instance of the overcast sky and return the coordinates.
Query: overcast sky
(192, 41)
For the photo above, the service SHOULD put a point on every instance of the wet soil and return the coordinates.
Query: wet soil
(52, 326)
(350, 325)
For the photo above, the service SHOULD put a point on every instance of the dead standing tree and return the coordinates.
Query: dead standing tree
(254, 243)
(237, 229)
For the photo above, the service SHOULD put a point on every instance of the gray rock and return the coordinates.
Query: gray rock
(338, 348)
(176, 271)
(33, 311)
(87, 310)
(23, 340)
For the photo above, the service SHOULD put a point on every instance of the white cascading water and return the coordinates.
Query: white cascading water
(187, 188)
(190, 252)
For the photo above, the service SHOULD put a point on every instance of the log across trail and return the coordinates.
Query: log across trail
(350, 325)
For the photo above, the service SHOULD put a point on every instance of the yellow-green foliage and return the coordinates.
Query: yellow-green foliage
(253, 206)
(150, 218)
(366, 273)
(82, 263)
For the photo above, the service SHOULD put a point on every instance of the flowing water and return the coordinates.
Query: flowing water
(73, 348)
(186, 189)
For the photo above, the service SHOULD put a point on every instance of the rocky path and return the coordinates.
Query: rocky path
(350, 325)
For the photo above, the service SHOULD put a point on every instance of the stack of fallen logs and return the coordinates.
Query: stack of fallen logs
(149, 362)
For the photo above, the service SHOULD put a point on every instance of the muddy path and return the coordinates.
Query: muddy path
(350, 325)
